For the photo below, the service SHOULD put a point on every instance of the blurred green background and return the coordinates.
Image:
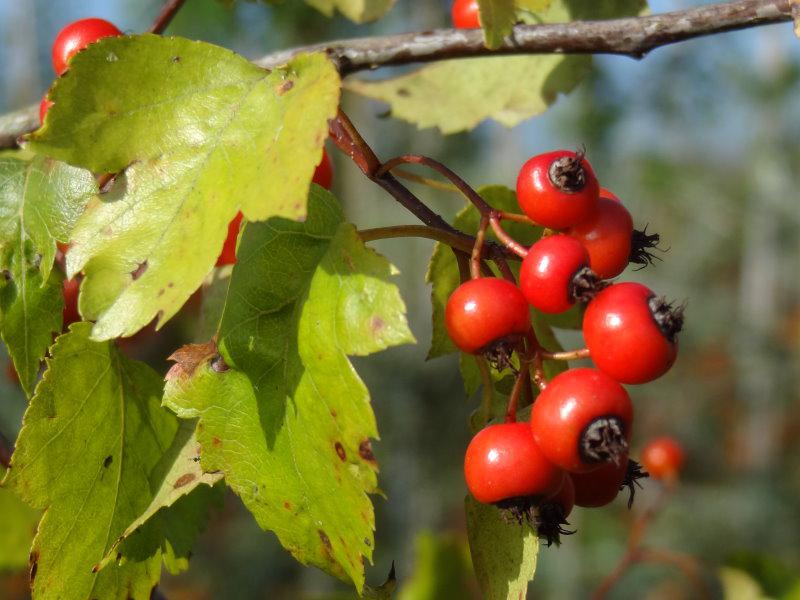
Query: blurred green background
(700, 140)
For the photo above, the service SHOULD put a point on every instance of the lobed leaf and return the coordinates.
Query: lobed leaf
(40, 201)
(212, 134)
(458, 95)
(289, 424)
(92, 436)
(503, 553)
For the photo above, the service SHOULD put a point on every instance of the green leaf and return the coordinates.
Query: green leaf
(442, 569)
(458, 95)
(497, 19)
(17, 528)
(359, 11)
(40, 200)
(503, 553)
(91, 438)
(212, 135)
(290, 424)
(180, 506)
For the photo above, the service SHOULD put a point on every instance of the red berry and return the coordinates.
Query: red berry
(323, 175)
(503, 462)
(548, 273)
(465, 14)
(663, 458)
(228, 254)
(601, 486)
(608, 194)
(631, 334)
(606, 235)
(75, 37)
(563, 498)
(557, 189)
(483, 311)
(44, 106)
(582, 419)
(70, 314)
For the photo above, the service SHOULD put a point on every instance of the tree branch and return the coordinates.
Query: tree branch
(634, 37)
(166, 15)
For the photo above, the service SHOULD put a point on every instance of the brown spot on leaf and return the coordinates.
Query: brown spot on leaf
(139, 271)
(284, 87)
(216, 441)
(176, 59)
(160, 292)
(187, 358)
(107, 462)
(183, 480)
(367, 542)
(287, 505)
(340, 451)
(376, 324)
(365, 451)
(403, 92)
(334, 414)
(326, 541)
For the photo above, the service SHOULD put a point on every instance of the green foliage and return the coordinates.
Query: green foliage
(458, 95)
(497, 17)
(17, 527)
(290, 424)
(92, 437)
(441, 569)
(179, 507)
(40, 200)
(503, 553)
(213, 134)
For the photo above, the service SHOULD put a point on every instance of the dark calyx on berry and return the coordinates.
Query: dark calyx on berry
(668, 317)
(633, 474)
(567, 173)
(641, 245)
(550, 521)
(499, 352)
(585, 284)
(604, 441)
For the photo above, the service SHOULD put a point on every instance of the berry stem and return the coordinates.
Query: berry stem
(506, 239)
(535, 350)
(566, 355)
(516, 217)
(513, 400)
(427, 181)
(477, 249)
(457, 242)
(166, 15)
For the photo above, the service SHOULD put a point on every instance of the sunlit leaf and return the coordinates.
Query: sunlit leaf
(212, 134)
(17, 528)
(289, 425)
(92, 436)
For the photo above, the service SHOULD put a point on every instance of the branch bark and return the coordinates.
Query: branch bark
(634, 37)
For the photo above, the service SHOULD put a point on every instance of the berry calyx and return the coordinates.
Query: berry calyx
(631, 333)
(555, 273)
(557, 189)
(641, 245)
(582, 420)
(663, 458)
(553, 511)
(484, 312)
(323, 175)
(607, 237)
(75, 37)
(44, 106)
(465, 14)
(503, 462)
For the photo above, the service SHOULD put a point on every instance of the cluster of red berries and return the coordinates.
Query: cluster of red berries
(574, 450)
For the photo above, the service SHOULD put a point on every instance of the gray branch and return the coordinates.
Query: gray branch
(634, 37)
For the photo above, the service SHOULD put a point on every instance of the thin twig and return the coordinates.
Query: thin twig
(535, 351)
(513, 400)
(477, 249)
(166, 15)
(566, 355)
(460, 242)
(506, 239)
(427, 181)
(635, 37)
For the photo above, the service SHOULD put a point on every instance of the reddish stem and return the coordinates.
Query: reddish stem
(166, 15)
(566, 355)
(513, 400)
(506, 239)
(477, 249)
